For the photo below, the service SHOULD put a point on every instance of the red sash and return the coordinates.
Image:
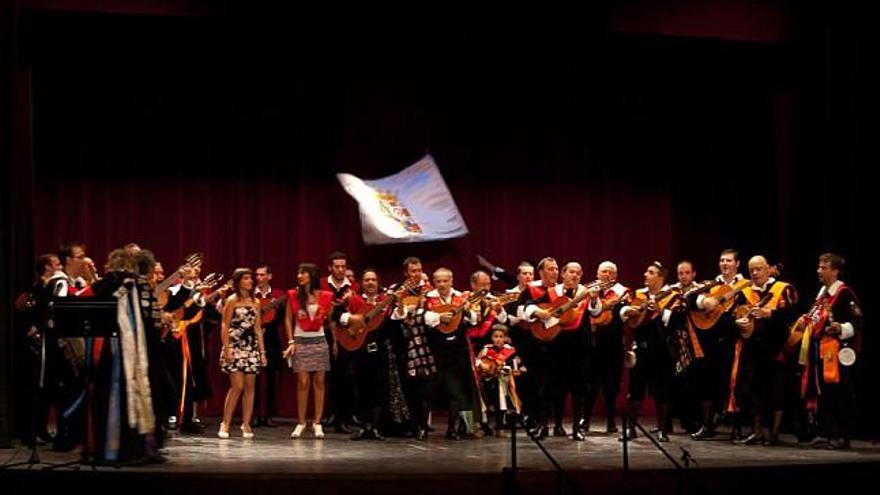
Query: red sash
(537, 291)
(579, 310)
(433, 302)
(479, 331)
(499, 356)
(829, 346)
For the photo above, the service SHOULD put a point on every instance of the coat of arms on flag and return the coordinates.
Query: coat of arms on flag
(413, 205)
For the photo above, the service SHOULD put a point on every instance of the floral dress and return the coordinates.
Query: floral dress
(243, 339)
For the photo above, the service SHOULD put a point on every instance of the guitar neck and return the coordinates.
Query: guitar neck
(168, 282)
(380, 306)
(657, 297)
(704, 288)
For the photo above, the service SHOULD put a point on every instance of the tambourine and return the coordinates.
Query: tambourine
(629, 359)
(846, 356)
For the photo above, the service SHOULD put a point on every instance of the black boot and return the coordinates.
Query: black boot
(629, 430)
(706, 431)
(610, 413)
(663, 422)
(773, 436)
(757, 435)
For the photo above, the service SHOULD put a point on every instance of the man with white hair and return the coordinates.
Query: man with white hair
(608, 350)
(451, 349)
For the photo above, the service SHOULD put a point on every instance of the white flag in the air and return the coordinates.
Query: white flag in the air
(413, 205)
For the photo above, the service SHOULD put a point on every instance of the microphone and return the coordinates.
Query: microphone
(686, 457)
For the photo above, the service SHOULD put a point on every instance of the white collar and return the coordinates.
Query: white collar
(258, 292)
(560, 289)
(832, 291)
(768, 283)
(337, 287)
(645, 290)
(436, 293)
(736, 278)
(694, 285)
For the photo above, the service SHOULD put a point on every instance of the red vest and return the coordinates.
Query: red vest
(455, 300)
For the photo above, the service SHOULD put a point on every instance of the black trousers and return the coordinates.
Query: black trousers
(371, 379)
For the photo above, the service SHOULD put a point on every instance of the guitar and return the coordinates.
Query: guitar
(745, 311)
(726, 296)
(269, 308)
(360, 325)
(605, 316)
(490, 368)
(504, 299)
(562, 312)
(640, 302)
(161, 289)
(457, 311)
(211, 299)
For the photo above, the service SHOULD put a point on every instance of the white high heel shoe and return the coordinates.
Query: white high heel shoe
(298, 431)
(319, 431)
(223, 432)
(246, 434)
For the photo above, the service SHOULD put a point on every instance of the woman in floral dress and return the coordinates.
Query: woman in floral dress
(243, 351)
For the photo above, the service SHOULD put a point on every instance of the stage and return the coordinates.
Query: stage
(272, 462)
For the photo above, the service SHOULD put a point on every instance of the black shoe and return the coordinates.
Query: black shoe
(611, 427)
(540, 432)
(837, 444)
(268, 423)
(452, 435)
(328, 421)
(752, 439)
(771, 440)
(192, 428)
(583, 426)
(44, 438)
(630, 433)
(361, 434)
(421, 434)
(735, 434)
(703, 433)
(373, 434)
(258, 422)
(559, 431)
(487, 430)
(344, 428)
(577, 435)
(662, 436)
(816, 441)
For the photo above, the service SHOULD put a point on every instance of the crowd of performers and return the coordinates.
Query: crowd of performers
(731, 350)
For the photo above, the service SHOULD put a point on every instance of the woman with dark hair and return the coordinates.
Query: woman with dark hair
(243, 350)
(308, 308)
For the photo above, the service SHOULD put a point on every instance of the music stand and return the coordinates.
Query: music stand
(73, 318)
